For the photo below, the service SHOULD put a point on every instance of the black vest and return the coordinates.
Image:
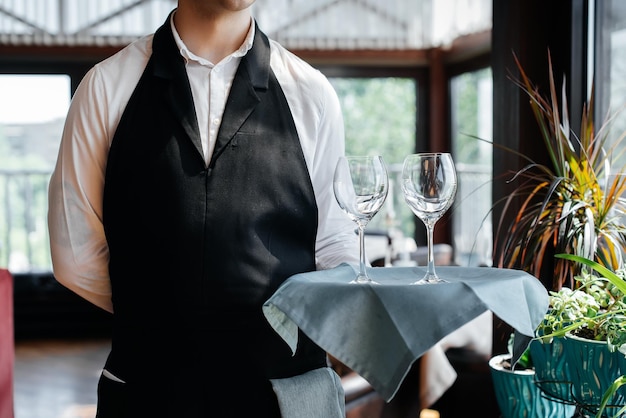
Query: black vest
(196, 250)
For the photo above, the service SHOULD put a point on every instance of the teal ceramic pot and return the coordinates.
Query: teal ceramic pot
(519, 397)
(551, 371)
(593, 368)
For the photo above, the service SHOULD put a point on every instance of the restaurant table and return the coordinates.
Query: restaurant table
(379, 330)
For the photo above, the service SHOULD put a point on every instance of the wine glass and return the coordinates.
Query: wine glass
(429, 185)
(360, 185)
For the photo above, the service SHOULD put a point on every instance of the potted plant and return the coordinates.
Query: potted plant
(594, 309)
(572, 206)
(575, 357)
(594, 342)
(567, 307)
(517, 393)
(539, 383)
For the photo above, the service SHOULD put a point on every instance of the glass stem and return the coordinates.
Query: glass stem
(430, 226)
(362, 272)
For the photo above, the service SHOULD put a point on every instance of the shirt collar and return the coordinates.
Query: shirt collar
(190, 56)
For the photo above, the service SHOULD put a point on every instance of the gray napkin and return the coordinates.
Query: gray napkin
(380, 330)
(314, 394)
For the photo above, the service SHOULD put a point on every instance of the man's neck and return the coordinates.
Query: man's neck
(212, 36)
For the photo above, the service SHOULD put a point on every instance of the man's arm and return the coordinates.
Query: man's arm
(78, 246)
(337, 241)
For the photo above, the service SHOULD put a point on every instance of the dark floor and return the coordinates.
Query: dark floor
(57, 378)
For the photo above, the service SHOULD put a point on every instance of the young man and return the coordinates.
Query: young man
(194, 177)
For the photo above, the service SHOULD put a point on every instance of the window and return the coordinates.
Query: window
(610, 66)
(471, 115)
(380, 119)
(32, 112)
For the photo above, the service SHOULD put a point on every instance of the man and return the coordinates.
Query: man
(194, 177)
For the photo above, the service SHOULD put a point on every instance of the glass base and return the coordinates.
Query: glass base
(430, 278)
(362, 279)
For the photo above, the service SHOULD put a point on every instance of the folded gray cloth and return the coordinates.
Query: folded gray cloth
(314, 394)
(398, 322)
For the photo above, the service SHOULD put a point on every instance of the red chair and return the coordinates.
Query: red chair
(7, 345)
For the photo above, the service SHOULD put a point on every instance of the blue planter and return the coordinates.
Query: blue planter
(551, 371)
(519, 397)
(593, 368)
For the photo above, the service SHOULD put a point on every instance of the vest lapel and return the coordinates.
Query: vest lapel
(169, 65)
(251, 79)
(181, 102)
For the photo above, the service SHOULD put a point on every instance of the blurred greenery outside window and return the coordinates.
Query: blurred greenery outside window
(380, 119)
(610, 71)
(471, 116)
(32, 112)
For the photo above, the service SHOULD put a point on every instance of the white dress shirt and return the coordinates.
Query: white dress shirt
(78, 245)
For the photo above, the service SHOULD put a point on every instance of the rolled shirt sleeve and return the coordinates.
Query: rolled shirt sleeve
(78, 245)
(80, 254)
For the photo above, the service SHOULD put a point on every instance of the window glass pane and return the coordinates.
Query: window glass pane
(380, 119)
(32, 112)
(614, 28)
(471, 112)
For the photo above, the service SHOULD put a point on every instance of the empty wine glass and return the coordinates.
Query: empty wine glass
(360, 186)
(429, 186)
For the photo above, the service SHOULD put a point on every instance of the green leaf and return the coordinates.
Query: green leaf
(608, 394)
(605, 272)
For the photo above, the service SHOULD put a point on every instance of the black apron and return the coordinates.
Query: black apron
(196, 250)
